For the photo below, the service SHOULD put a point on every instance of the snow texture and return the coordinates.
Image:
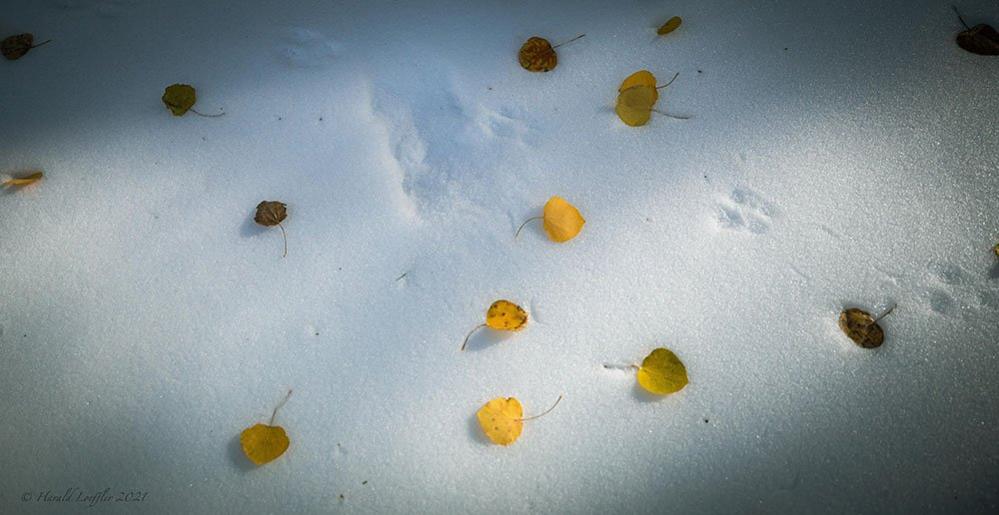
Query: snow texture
(839, 154)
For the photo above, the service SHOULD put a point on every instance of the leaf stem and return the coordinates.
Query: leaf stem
(960, 18)
(567, 42)
(276, 408)
(42, 43)
(469, 335)
(545, 412)
(283, 233)
(670, 81)
(525, 223)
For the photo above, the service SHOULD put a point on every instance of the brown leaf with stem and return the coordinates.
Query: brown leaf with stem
(271, 213)
(981, 39)
(862, 328)
(14, 47)
(538, 55)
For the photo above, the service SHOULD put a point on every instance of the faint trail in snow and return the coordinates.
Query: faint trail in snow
(745, 210)
(102, 8)
(305, 48)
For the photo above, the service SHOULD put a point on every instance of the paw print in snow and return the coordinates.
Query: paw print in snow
(306, 48)
(745, 210)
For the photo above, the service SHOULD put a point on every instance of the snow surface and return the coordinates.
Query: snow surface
(840, 154)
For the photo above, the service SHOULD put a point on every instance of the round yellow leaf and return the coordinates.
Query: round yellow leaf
(662, 372)
(641, 78)
(504, 315)
(634, 105)
(562, 220)
(179, 98)
(501, 420)
(264, 444)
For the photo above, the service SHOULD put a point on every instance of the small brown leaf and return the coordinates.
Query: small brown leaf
(537, 55)
(981, 39)
(271, 213)
(862, 328)
(996, 250)
(14, 47)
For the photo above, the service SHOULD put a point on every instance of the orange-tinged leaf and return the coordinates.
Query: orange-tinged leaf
(562, 221)
(504, 315)
(263, 444)
(24, 181)
(670, 25)
(501, 420)
(537, 55)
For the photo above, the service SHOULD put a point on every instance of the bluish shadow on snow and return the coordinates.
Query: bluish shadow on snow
(994, 272)
(640, 395)
(485, 338)
(249, 228)
(475, 432)
(235, 452)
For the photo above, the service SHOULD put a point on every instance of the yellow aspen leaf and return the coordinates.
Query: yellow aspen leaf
(640, 78)
(670, 25)
(502, 315)
(23, 181)
(662, 372)
(634, 105)
(538, 55)
(561, 220)
(264, 443)
(271, 213)
(14, 47)
(502, 419)
(862, 328)
(180, 98)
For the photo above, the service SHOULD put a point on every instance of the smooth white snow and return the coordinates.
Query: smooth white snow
(840, 154)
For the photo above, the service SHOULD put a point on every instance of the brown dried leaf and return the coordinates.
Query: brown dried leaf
(271, 213)
(537, 55)
(862, 328)
(14, 47)
(981, 39)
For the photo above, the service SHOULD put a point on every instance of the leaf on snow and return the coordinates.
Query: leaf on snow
(23, 181)
(662, 372)
(271, 213)
(670, 25)
(14, 47)
(537, 55)
(981, 39)
(862, 328)
(502, 315)
(264, 443)
(562, 221)
(502, 419)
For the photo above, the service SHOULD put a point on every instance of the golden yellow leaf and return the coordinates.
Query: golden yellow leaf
(634, 105)
(24, 181)
(179, 98)
(862, 328)
(670, 25)
(640, 78)
(264, 444)
(502, 419)
(662, 372)
(502, 315)
(562, 221)
(996, 250)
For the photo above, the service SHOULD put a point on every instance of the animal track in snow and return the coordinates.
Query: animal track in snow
(956, 292)
(745, 210)
(104, 8)
(304, 48)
